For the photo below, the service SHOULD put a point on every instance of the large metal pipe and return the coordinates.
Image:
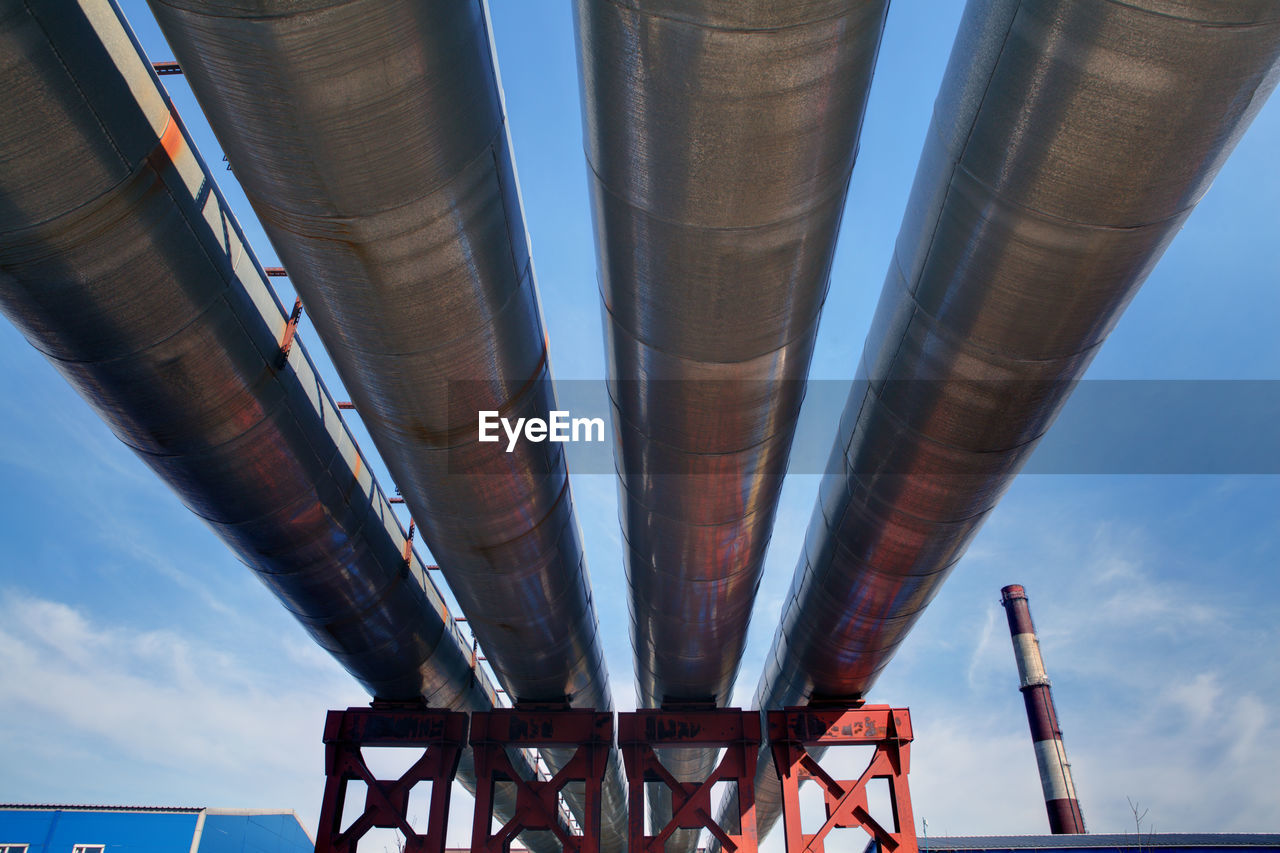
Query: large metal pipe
(370, 138)
(720, 140)
(1069, 142)
(122, 264)
(1051, 757)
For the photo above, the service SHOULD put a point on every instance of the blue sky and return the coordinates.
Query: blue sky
(141, 663)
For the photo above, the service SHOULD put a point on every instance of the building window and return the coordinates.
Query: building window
(89, 848)
(13, 848)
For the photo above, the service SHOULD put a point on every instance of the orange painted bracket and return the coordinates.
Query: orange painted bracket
(793, 730)
(408, 544)
(290, 329)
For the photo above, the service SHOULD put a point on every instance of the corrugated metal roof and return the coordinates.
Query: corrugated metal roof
(1108, 840)
(49, 807)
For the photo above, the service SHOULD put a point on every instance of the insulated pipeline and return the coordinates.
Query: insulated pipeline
(371, 139)
(121, 263)
(720, 139)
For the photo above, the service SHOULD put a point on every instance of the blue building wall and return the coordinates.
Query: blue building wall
(59, 830)
(263, 833)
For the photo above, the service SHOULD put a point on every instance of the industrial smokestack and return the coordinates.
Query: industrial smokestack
(1055, 771)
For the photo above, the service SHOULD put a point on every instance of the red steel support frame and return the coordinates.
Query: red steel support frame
(887, 729)
(640, 732)
(441, 735)
(537, 800)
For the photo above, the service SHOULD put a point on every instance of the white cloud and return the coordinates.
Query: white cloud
(1197, 697)
(140, 713)
(1202, 769)
(1163, 667)
(970, 778)
(984, 652)
(111, 713)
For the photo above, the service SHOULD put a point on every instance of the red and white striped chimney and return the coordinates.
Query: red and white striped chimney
(1055, 770)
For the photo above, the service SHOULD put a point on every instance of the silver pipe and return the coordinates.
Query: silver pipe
(370, 138)
(720, 140)
(122, 264)
(1069, 142)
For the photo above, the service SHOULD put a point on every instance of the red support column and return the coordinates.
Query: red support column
(887, 729)
(640, 732)
(442, 735)
(538, 800)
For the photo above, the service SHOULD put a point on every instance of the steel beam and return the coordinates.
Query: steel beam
(793, 730)
(538, 801)
(441, 735)
(640, 733)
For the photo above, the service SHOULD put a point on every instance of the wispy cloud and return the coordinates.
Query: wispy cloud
(1163, 667)
(1196, 767)
(155, 711)
(984, 649)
